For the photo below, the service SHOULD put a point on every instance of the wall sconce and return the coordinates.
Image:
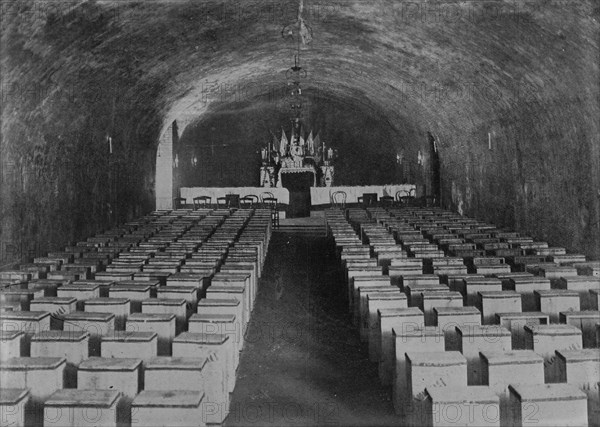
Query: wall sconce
(399, 157)
(194, 161)
(419, 158)
(176, 161)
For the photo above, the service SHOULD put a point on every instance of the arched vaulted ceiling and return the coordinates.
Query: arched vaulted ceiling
(510, 89)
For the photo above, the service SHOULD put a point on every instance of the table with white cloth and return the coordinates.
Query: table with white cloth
(322, 195)
(281, 194)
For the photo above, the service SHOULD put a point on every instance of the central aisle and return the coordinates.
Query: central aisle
(303, 363)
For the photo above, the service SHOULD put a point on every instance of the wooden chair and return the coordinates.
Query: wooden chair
(249, 201)
(222, 202)
(338, 199)
(271, 203)
(202, 201)
(179, 202)
(263, 195)
(405, 198)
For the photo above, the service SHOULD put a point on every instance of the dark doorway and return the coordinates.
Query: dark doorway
(435, 169)
(298, 184)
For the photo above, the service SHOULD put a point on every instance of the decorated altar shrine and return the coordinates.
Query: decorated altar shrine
(296, 155)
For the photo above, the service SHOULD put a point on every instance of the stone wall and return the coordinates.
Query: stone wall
(523, 75)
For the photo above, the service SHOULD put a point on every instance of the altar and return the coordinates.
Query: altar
(297, 170)
(321, 196)
(299, 173)
(188, 193)
(297, 164)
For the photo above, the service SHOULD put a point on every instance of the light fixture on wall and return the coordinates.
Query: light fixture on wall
(110, 145)
(194, 160)
(176, 161)
(420, 158)
(399, 157)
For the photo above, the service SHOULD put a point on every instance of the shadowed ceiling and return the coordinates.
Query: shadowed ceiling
(509, 89)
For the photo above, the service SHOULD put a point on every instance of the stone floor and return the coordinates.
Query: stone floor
(303, 363)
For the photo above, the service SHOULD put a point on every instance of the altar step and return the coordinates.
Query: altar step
(304, 230)
(310, 226)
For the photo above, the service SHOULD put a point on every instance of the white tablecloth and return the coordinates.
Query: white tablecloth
(322, 195)
(281, 194)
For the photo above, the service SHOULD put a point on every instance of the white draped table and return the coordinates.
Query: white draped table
(281, 194)
(322, 195)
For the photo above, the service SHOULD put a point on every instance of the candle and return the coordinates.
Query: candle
(110, 145)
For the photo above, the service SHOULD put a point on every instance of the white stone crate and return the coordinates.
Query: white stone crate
(168, 306)
(120, 307)
(154, 408)
(125, 344)
(162, 324)
(14, 406)
(426, 339)
(548, 405)
(462, 406)
(82, 408)
(447, 319)
(11, 344)
(400, 319)
(500, 369)
(378, 299)
(474, 339)
(428, 370)
(546, 339)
